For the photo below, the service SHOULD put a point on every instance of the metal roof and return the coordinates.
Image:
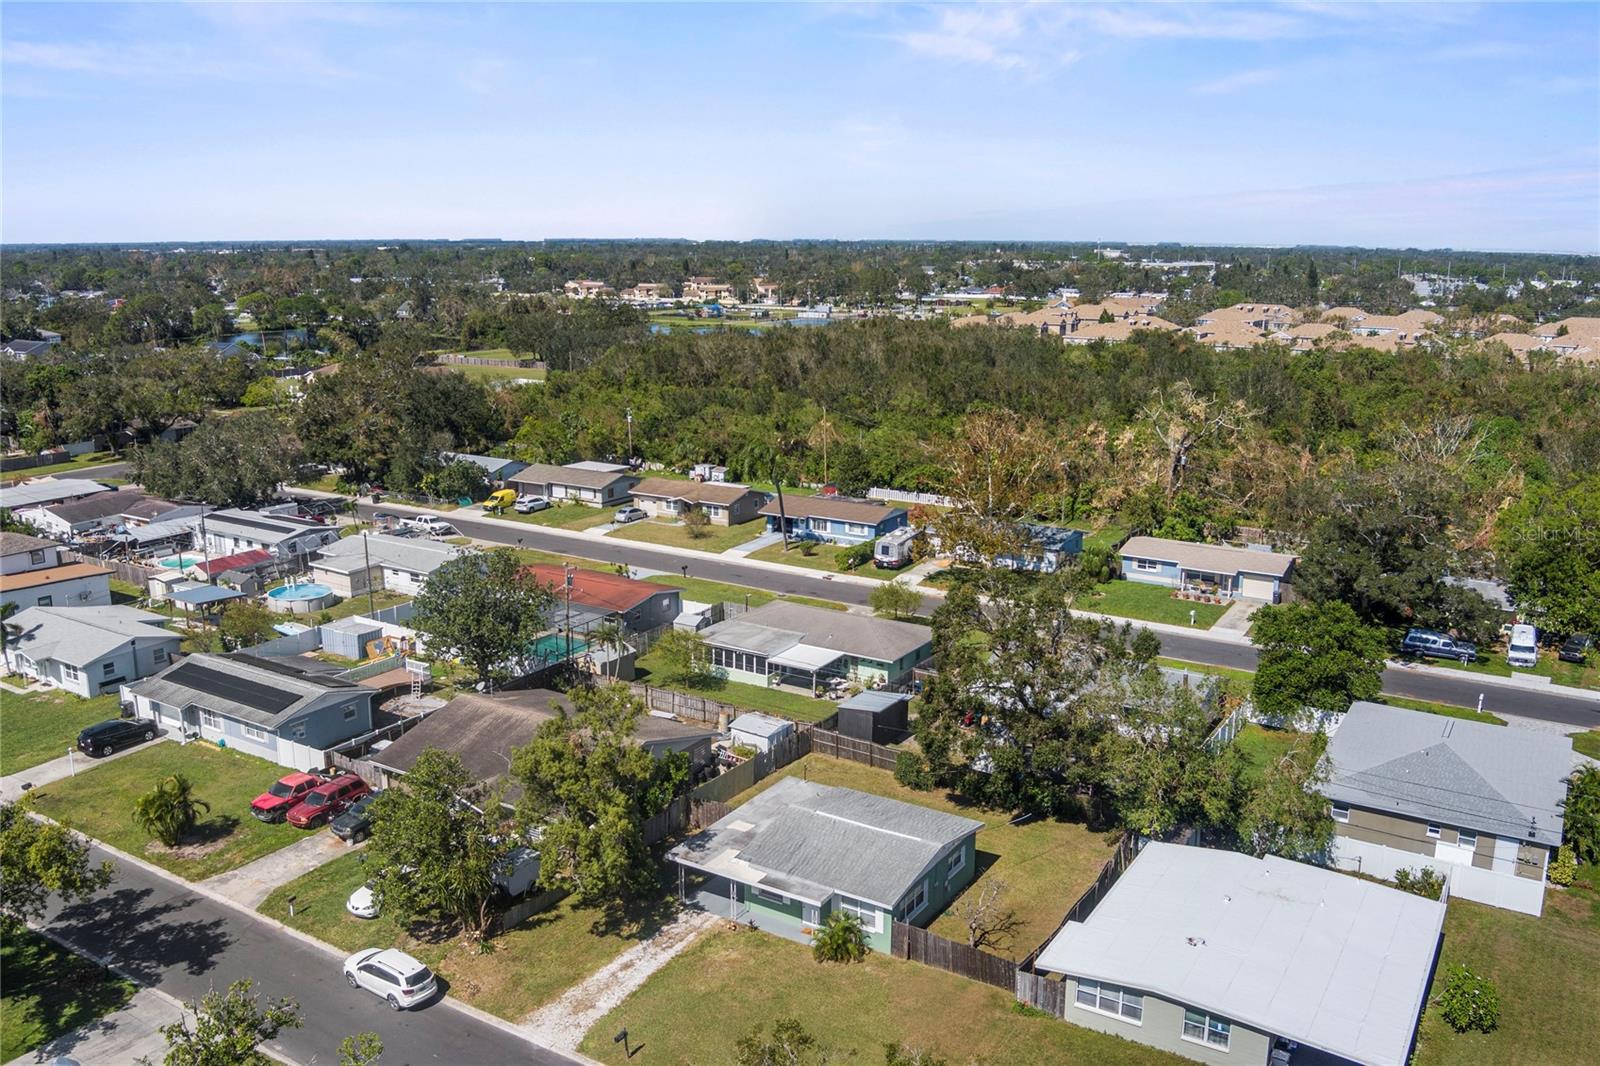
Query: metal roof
(264, 692)
(348, 554)
(1450, 771)
(80, 635)
(854, 634)
(805, 657)
(204, 595)
(808, 840)
(47, 491)
(874, 700)
(1297, 951)
(756, 724)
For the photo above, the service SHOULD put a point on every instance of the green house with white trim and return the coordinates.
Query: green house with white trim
(794, 644)
(799, 851)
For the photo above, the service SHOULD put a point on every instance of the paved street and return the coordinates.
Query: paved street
(164, 934)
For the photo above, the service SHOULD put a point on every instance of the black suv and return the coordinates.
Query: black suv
(106, 737)
(1576, 648)
(355, 824)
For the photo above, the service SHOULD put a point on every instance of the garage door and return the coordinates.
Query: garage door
(1255, 588)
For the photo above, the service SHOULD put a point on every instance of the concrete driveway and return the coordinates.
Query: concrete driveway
(253, 882)
(65, 766)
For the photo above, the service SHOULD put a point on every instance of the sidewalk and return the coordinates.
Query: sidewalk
(62, 767)
(252, 883)
(739, 551)
(116, 1039)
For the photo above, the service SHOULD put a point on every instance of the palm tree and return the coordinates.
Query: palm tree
(608, 635)
(822, 434)
(9, 631)
(840, 939)
(169, 811)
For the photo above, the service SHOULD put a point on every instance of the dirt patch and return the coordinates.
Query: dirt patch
(197, 850)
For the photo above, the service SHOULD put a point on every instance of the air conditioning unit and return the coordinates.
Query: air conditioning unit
(85, 594)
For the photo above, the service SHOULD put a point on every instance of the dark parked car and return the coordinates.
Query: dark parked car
(355, 824)
(1434, 645)
(106, 737)
(1576, 648)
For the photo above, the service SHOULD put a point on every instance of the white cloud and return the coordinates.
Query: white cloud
(1244, 79)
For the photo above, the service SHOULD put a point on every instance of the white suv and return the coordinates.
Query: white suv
(394, 976)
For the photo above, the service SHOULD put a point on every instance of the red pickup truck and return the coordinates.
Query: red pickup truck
(273, 804)
(327, 800)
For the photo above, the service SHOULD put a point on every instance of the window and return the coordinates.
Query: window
(349, 714)
(257, 735)
(36, 558)
(46, 601)
(1341, 812)
(1467, 838)
(299, 731)
(771, 897)
(1206, 1029)
(1433, 831)
(867, 912)
(69, 672)
(107, 669)
(955, 862)
(211, 720)
(159, 655)
(912, 905)
(1146, 565)
(1111, 999)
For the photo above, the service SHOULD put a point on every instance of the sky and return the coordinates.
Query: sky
(1403, 125)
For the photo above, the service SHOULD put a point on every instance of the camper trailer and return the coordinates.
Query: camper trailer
(893, 550)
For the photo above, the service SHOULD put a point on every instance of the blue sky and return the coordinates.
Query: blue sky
(1396, 125)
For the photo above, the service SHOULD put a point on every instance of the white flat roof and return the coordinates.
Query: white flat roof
(805, 657)
(1294, 950)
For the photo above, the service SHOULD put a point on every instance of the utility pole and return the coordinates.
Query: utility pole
(366, 556)
(630, 436)
(783, 519)
(567, 571)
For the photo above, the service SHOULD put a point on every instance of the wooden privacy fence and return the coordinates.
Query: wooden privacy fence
(132, 573)
(682, 705)
(931, 949)
(828, 742)
(1037, 990)
(1127, 847)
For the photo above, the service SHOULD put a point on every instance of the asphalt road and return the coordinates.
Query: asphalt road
(1196, 648)
(163, 934)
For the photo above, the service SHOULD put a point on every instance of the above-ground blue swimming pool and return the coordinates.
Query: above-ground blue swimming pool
(302, 598)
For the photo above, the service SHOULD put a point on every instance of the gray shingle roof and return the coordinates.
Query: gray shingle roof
(1450, 771)
(293, 689)
(810, 840)
(536, 474)
(16, 543)
(853, 634)
(1213, 558)
(416, 556)
(80, 635)
(831, 507)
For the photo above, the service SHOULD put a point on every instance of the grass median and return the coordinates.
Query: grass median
(99, 801)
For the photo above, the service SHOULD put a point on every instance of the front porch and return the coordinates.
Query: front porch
(724, 898)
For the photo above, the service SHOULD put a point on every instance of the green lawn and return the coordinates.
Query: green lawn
(1046, 864)
(1107, 537)
(735, 980)
(501, 354)
(1235, 682)
(92, 459)
(1261, 747)
(529, 966)
(774, 701)
(497, 373)
(1150, 603)
(1469, 713)
(702, 591)
(1544, 970)
(675, 534)
(1587, 743)
(358, 604)
(325, 483)
(43, 725)
(48, 991)
(823, 557)
(565, 516)
(100, 803)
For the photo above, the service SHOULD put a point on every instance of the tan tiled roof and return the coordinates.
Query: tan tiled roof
(30, 579)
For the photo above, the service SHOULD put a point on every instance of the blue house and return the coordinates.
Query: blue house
(834, 519)
(1213, 569)
(280, 711)
(1048, 548)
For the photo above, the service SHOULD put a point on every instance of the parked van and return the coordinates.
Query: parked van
(500, 499)
(1524, 648)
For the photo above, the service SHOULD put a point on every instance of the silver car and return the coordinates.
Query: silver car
(395, 977)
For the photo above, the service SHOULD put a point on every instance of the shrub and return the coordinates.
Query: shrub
(840, 939)
(1425, 882)
(1564, 870)
(1469, 1001)
(169, 811)
(857, 555)
(911, 770)
(808, 547)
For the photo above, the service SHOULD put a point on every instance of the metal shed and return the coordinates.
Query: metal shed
(875, 715)
(349, 637)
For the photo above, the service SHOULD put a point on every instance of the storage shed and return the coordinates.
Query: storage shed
(349, 637)
(875, 715)
(759, 731)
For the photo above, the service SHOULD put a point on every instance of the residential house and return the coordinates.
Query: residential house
(1222, 958)
(33, 575)
(1479, 803)
(353, 565)
(763, 291)
(800, 851)
(835, 519)
(43, 491)
(584, 289)
(1217, 569)
(706, 289)
(274, 708)
(726, 504)
(647, 292)
(592, 483)
(496, 468)
(484, 732)
(639, 606)
(1045, 549)
(1575, 339)
(139, 511)
(1075, 330)
(21, 349)
(794, 644)
(1386, 332)
(230, 531)
(1242, 325)
(106, 511)
(87, 650)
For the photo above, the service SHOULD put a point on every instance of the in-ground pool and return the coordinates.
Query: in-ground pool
(181, 562)
(304, 598)
(552, 647)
